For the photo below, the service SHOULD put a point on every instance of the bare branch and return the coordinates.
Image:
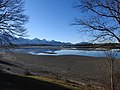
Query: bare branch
(12, 20)
(104, 18)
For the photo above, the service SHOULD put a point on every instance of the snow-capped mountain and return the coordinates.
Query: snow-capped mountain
(36, 41)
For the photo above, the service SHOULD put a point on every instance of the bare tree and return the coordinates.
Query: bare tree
(12, 20)
(109, 67)
(110, 59)
(99, 19)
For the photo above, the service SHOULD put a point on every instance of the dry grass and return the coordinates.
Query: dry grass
(67, 84)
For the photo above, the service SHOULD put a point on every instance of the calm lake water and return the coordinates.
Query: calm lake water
(57, 51)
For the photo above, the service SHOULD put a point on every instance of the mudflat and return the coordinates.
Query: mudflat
(79, 69)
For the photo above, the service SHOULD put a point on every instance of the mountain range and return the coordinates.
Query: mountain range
(36, 41)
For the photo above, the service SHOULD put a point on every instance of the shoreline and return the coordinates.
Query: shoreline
(79, 69)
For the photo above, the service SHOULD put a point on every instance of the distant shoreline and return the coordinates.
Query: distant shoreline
(57, 50)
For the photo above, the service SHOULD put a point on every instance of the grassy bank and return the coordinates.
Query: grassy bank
(18, 82)
(23, 82)
(66, 84)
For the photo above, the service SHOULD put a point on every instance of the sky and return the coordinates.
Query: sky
(51, 19)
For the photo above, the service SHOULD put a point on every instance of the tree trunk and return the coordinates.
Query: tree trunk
(111, 76)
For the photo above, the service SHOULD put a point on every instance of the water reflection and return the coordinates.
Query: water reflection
(35, 51)
(60, 51)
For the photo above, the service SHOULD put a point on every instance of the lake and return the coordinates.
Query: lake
(60, 51)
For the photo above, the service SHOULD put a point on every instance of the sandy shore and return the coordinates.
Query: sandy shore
(80, 69)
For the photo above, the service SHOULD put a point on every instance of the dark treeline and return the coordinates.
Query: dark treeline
(103, 45)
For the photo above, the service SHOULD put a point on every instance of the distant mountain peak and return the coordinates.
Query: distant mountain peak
(36, 41)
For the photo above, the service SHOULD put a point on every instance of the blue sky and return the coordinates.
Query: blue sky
(50, 19)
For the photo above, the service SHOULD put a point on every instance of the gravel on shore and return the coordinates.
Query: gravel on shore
(79, 69)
